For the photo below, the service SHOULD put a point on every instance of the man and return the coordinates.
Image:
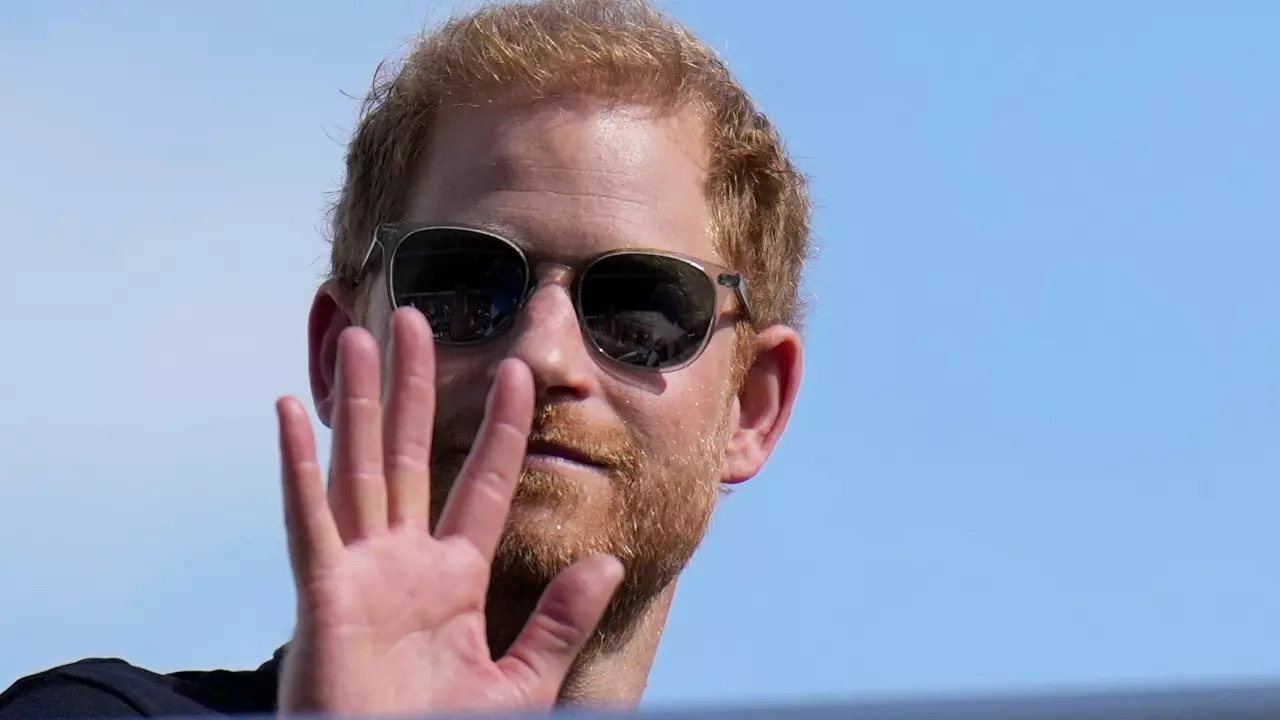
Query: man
(510, 504)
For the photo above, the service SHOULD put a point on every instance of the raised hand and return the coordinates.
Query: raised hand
(391, 616)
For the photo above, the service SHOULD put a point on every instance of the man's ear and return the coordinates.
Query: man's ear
(764, 402)
(332, 311)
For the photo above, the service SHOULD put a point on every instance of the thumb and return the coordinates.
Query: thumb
(567, 614)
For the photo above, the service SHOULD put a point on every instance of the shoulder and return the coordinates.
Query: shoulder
(108, 687)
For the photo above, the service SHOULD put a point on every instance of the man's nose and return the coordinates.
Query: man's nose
(548, 338)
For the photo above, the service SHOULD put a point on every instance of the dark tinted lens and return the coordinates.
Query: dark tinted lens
(468, 284)
(647, 310)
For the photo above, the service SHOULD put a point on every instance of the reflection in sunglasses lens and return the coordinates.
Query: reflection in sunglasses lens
(646, 310)
(640, 309)
(467, 284)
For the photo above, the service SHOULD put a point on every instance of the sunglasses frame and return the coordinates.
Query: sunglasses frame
(726, 281)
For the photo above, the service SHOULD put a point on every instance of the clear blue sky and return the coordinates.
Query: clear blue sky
(1039, 441)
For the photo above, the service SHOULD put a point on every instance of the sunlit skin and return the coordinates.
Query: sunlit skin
(397, 609)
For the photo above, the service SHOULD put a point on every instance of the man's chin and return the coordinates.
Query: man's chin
(552, 534)
(562, 501)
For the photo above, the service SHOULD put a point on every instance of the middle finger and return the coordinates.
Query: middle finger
(410, 412)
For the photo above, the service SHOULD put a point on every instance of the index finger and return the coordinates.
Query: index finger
(480, 500)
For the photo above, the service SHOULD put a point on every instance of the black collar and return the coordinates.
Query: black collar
(272, 666)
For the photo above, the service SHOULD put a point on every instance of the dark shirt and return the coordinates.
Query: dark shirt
(102, 688)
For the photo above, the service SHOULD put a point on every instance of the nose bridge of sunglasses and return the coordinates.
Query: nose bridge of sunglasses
(551, 273)
(547, 275)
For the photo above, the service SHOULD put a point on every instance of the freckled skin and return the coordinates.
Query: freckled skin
(567, 180)
(567, 183)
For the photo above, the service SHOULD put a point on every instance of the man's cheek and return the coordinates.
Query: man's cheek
(459, 384)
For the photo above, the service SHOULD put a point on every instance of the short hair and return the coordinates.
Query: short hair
(623, 51)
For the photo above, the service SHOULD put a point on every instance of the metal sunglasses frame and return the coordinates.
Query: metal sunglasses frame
(726, 281)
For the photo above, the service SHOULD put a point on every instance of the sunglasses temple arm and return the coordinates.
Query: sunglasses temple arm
(364, 264)
(739, 285)
(377, 243)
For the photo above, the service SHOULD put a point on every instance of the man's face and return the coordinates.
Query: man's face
(568, 181)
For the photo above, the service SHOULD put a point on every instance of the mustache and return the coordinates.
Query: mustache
(561, 425)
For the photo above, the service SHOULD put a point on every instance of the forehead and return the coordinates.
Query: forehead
(569, 179)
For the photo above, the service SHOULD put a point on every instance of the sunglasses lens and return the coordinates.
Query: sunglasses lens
(467, 283)
(647, 310)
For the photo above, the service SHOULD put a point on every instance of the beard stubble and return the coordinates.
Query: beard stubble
(653, 517)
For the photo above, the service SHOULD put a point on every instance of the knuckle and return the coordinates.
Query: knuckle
(364, 476)
(489, 488)
(362, 404)
(556, 629)
(408, 455)
(507, 432)
(419, 382)
(306, 466)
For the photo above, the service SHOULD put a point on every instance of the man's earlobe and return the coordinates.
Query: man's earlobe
(332, 311)
(764, 403)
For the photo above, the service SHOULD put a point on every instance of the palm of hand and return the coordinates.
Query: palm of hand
(404, 617)
(391, 617)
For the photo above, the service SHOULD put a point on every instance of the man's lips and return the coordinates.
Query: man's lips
(543, 450)
(560, 452)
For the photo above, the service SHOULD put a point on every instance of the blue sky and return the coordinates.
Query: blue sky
(1036, 447)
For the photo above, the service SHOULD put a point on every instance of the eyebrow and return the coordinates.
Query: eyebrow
(523, 240)
(488, 225)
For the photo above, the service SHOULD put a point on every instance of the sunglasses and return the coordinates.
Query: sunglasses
(644, 309)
